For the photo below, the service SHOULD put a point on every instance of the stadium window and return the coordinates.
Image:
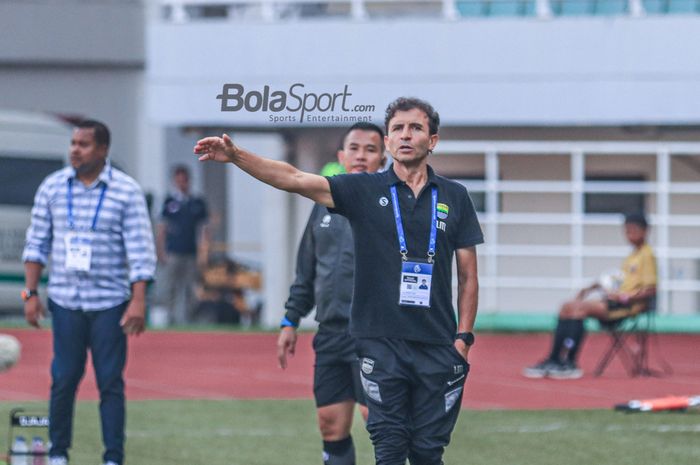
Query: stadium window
(20, 178)
(608, 202)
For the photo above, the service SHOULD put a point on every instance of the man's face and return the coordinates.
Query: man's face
(362, 151)
(85, 154)
(408, 136)
(635, 234)
(182, 182)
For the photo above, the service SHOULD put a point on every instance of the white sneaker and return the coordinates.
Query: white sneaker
(58, 461)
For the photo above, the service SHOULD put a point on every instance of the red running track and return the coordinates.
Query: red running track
(212, 365)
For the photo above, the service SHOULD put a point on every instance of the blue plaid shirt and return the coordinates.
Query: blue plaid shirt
(123, 251)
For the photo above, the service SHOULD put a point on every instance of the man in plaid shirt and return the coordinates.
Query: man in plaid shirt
(91, 225)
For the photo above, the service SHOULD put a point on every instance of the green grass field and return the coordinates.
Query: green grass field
(233, 432)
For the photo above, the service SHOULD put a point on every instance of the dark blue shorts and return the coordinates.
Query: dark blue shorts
(336, 371)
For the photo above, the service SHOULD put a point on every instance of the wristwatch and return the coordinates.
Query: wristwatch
(29, 293)
(468, 338)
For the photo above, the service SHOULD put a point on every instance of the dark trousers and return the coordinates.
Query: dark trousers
(74, 332)
(413, 392)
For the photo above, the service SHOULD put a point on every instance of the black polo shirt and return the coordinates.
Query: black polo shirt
(183, 215)
(365, 199)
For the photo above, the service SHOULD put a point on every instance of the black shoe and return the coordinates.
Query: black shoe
(566, 370)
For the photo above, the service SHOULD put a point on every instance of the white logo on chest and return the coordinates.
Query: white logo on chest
(326, 221)
(383, 201)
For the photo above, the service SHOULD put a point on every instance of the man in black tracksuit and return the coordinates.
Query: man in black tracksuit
(408, 225)
(324, 279)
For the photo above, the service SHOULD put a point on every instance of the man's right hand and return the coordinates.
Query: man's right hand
(34, 312)
(286, 344)
(219, 149)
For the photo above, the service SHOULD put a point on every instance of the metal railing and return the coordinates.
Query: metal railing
(576, 219)
(183, 11)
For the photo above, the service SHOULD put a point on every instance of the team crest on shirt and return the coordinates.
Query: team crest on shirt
(383, 201)
(172, 206)
(326, 221)
(367, 365)
(442, 211)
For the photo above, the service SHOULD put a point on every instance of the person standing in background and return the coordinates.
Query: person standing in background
(181, 240)
(91, 225)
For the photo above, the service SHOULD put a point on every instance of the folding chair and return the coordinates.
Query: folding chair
(645, 337)
(630, 340)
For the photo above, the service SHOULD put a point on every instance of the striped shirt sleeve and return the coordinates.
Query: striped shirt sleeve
(138, 239)
(37, 246)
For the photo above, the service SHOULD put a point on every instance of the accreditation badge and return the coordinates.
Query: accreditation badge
(78, 251)
(416, 282)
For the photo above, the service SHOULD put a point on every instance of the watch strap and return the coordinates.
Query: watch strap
(467, 337)
(29, 293)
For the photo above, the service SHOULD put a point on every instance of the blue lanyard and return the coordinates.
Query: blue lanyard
(71, 220)
(399, 225)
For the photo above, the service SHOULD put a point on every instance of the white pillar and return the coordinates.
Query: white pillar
(492, 223)
(663, 207)
(258, 225)
(543, 9)
(636, 8)
(358, 11)
(578, 176)
(150, 162)
(449, 10)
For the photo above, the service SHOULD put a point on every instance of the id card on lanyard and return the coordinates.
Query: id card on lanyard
(79, 243)
(416, 275)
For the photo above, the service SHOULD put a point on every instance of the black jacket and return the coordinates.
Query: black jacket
(324, 271)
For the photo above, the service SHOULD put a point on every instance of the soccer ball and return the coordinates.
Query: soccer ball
(610, 281)
(9, 351)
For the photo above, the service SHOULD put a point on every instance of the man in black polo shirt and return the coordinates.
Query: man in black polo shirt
(324, 279)
(407, 223)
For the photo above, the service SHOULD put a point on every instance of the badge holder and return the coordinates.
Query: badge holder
(416, 282)
(416, 274)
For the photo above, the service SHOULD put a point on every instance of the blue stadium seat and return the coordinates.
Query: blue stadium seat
(530, 8)
(655, 6)
(572, 7)
(683, 6)
(610, 7)
(504, 8)
(470, 8)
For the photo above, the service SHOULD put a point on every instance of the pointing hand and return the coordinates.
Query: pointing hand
(221, 149)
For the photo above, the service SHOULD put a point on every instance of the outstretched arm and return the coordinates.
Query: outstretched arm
(277, 174)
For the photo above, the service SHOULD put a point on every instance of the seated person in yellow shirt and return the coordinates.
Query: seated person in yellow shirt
(637, 288)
